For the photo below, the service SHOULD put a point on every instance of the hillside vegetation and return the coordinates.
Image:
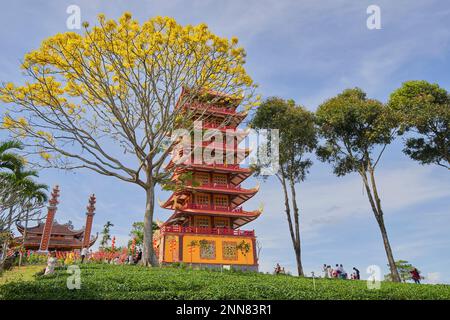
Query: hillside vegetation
(102, 281)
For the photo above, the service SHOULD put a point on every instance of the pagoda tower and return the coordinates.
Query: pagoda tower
(204, 228)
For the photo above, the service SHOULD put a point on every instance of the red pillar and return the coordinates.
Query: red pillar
(89, 219)
(45, 239)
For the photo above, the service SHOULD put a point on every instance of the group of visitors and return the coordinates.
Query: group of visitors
(328, 272)
(86, 255)
(130, 259)
(339, 272)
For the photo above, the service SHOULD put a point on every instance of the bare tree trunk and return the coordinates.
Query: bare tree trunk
(291, 227)
(288, 210)
(298, 250)
(5, 242)
(148, 254)
(24, 238)
(380, 219)
(4, 248)
(378, 213)
(387, 246)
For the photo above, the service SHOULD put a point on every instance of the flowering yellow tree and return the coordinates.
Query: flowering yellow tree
(105, 99)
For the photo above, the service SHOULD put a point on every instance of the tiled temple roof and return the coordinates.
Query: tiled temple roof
(57, 229)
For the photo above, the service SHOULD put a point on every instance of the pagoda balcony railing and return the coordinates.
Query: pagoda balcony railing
(205, 230)
(213, 165)
(220, 146)
(223, 165)
(212, 108)
(218, 186)
(215, 144)
(214, 208)
(217, 126)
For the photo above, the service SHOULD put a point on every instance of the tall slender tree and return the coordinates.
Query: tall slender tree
(21, 181)
(9, 161)
(297, 138)
(357, 131)
(19, 193)
(35, 196)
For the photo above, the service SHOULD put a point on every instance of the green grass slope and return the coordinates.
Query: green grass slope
(100, 281)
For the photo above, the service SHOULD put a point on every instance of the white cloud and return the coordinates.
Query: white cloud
(433, 278)
(331, 200)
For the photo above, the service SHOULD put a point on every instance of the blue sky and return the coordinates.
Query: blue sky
(308, 51)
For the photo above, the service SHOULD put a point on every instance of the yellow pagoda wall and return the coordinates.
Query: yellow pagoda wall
(172, 250)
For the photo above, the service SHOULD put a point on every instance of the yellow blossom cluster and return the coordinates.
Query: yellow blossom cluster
(116, 66)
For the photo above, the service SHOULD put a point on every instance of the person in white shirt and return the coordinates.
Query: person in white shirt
(324, 269)
(329, 271)
(51, 263)
(84, 253)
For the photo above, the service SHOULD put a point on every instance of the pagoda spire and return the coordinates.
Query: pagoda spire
(89, 219)
(53, 202)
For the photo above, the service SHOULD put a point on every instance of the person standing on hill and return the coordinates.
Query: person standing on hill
(343, 274)
(139, 257)
(325, 271)
(415, 275)
(84, 253)
(51, 263)
(358, 277)
(277, 269)
(337, 271)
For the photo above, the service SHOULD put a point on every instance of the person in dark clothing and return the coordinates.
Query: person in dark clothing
(138, 257)
(338, 271)
(415, 275)
(277, 269)
(358, 277)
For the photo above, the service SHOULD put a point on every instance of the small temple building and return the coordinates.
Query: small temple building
(205, 226)
(52, 236)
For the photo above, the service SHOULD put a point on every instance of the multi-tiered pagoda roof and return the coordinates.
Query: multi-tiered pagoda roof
(63, 236)
(222, 116)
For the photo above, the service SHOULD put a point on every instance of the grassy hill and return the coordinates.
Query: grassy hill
(101, 281)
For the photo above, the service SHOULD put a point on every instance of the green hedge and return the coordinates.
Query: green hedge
(102, 281)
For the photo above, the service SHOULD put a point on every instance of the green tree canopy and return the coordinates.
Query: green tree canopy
(423, 109)
(20, 194)
(353, 126)
(8, 158)
(106, 236)
(137, 233)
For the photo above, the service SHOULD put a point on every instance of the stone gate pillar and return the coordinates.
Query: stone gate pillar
(45, 239)
(89, 219)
